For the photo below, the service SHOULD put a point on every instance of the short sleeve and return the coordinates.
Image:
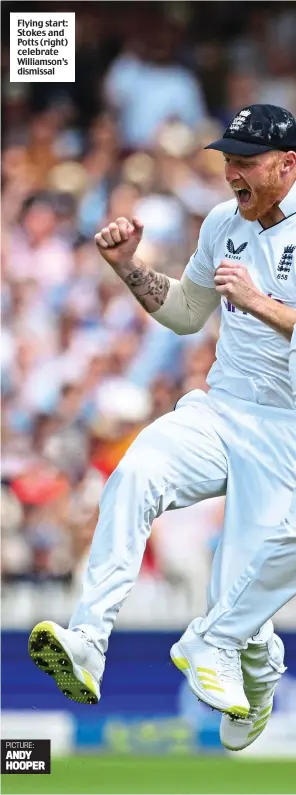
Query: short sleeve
(200, 268)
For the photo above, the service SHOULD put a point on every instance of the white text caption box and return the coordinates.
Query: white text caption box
(42, 47)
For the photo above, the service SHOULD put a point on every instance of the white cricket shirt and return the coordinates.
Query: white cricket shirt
(252, 359)
(292, 363)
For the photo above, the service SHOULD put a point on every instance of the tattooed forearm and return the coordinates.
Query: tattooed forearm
(149, 287)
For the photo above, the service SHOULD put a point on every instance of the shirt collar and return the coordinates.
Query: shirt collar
(288, 203)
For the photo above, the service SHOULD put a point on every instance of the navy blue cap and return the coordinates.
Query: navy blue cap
(256, 129)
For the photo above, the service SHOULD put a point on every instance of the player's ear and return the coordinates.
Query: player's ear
(288, 162)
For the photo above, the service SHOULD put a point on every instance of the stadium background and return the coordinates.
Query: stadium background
(84, 369)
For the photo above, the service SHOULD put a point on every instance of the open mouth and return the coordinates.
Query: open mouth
(243, 195)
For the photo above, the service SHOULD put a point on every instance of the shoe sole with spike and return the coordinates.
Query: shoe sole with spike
(51, 655)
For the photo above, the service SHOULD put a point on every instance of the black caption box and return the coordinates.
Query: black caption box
(25, 756)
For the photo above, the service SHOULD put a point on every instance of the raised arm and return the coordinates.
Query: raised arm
(182, 306)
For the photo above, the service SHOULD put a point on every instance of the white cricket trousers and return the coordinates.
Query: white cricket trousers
(212, 444)
(232, 621)
(246, 605)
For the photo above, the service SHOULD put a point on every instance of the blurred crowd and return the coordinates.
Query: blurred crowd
(84, 368)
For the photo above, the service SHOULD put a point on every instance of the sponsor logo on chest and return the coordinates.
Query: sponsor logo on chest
(231, 308)
(234, 253)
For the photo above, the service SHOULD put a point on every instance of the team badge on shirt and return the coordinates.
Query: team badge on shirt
(286, 260)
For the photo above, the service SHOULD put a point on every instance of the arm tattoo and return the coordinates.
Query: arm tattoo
(149, 287)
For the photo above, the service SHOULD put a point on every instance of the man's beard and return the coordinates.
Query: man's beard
(263, 198)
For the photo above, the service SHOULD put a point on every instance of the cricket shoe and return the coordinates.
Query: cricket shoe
(70, 658)
(214, 675)
(263, 666)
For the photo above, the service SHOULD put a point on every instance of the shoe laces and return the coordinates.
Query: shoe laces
(89, 642)
(230, 665)
(89, 645)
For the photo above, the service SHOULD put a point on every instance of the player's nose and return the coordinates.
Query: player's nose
(231, 173)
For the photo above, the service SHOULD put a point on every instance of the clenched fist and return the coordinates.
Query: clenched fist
(233, 281)
(119, 241)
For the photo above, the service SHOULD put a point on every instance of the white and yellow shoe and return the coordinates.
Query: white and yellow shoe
(214, 675)
(238, 734)
(70, 658)
(262, 666)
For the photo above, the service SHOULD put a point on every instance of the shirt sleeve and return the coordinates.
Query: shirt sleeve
(200, 268)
